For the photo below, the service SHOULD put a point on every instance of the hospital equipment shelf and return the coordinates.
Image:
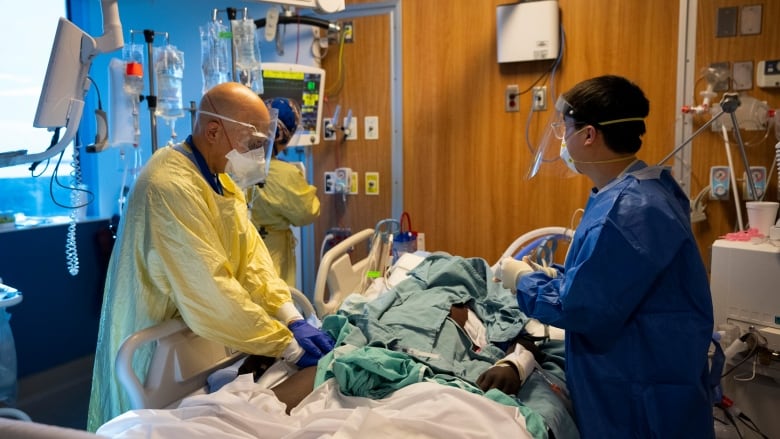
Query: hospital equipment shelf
(744, 282)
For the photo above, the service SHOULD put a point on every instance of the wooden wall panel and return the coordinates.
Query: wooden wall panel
(365, 91)
(708, 147)
(465, 158)
(471, 156)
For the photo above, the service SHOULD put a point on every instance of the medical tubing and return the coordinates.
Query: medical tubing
(533, 234)
(740, 224)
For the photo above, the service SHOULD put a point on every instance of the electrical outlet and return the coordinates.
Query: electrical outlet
(330, 183)
(328, 129)
(540, 98)
(372, 183)
(371, 125)
(511, 98)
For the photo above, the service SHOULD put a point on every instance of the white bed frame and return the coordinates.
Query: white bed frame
(183, 360)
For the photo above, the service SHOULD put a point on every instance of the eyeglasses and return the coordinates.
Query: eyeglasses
(559, 128)
(254, 140)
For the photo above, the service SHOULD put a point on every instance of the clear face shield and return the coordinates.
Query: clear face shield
(250, 158)
(547, 156)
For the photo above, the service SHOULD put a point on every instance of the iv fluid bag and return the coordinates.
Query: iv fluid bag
(244, 42)
(247, 54)
(120, 104)
(169, 70)
(215, 54)
(133, 56)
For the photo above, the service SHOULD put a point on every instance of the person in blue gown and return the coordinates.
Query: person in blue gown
(633, 294)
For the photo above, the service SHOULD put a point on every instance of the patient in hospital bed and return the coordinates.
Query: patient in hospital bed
(447, 323)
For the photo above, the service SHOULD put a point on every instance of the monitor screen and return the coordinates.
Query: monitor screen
(65, 80)
(303, 84)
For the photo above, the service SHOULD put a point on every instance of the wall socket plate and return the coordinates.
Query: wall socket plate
(371, 127)
(372, 183)
(329, 183)
(539, 96)
(328, 130)
(512, 98)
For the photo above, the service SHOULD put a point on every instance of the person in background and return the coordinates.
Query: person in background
(186, 249)
(285, 199)
(633, 295)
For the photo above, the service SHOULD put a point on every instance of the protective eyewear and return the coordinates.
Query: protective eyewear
(252, 140)
(559, 129)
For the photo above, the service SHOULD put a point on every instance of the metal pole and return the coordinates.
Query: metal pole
(152, 98)
(689, 139)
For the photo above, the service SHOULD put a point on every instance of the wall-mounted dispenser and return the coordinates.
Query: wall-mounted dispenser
(528, 31)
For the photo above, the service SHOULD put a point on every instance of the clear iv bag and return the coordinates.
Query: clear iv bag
(169, 70)
(215, 54)
(247, 54)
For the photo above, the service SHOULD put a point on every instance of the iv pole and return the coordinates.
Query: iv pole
(728, 104)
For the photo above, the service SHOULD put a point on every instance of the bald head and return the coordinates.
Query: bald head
(212, 135)
(235, 101)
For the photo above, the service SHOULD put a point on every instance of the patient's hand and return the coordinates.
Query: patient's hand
(503, 377)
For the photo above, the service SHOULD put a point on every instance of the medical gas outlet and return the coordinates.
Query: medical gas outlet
(341, 181)
(719, 183)
(759, 182)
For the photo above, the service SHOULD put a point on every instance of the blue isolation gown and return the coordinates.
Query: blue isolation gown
(635, 302)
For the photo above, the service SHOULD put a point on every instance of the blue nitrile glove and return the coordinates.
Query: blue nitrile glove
(313, 341)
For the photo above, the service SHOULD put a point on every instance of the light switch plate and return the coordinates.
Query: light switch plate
(727, 22)
(742, 75)
(750, 20)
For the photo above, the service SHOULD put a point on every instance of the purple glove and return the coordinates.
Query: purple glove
(314, 342)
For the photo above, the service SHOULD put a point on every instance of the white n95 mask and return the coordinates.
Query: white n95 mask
(566, 157)
(246, 169)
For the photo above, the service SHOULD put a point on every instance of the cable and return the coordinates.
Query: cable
(336, 89)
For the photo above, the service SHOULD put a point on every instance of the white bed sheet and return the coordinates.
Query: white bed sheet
(242, 409)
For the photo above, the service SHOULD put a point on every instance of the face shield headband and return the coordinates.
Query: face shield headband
(548, 149)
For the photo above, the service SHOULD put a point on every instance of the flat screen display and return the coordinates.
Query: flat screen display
(303, 85)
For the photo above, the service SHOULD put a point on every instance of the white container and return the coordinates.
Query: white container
(762, 215)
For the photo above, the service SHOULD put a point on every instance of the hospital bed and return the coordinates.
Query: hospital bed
(182, 361)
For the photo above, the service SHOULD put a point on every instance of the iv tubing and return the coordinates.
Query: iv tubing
(733, 177)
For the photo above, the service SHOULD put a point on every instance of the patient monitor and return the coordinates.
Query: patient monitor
(66, 83)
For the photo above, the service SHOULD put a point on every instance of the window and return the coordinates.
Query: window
(28, 41)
